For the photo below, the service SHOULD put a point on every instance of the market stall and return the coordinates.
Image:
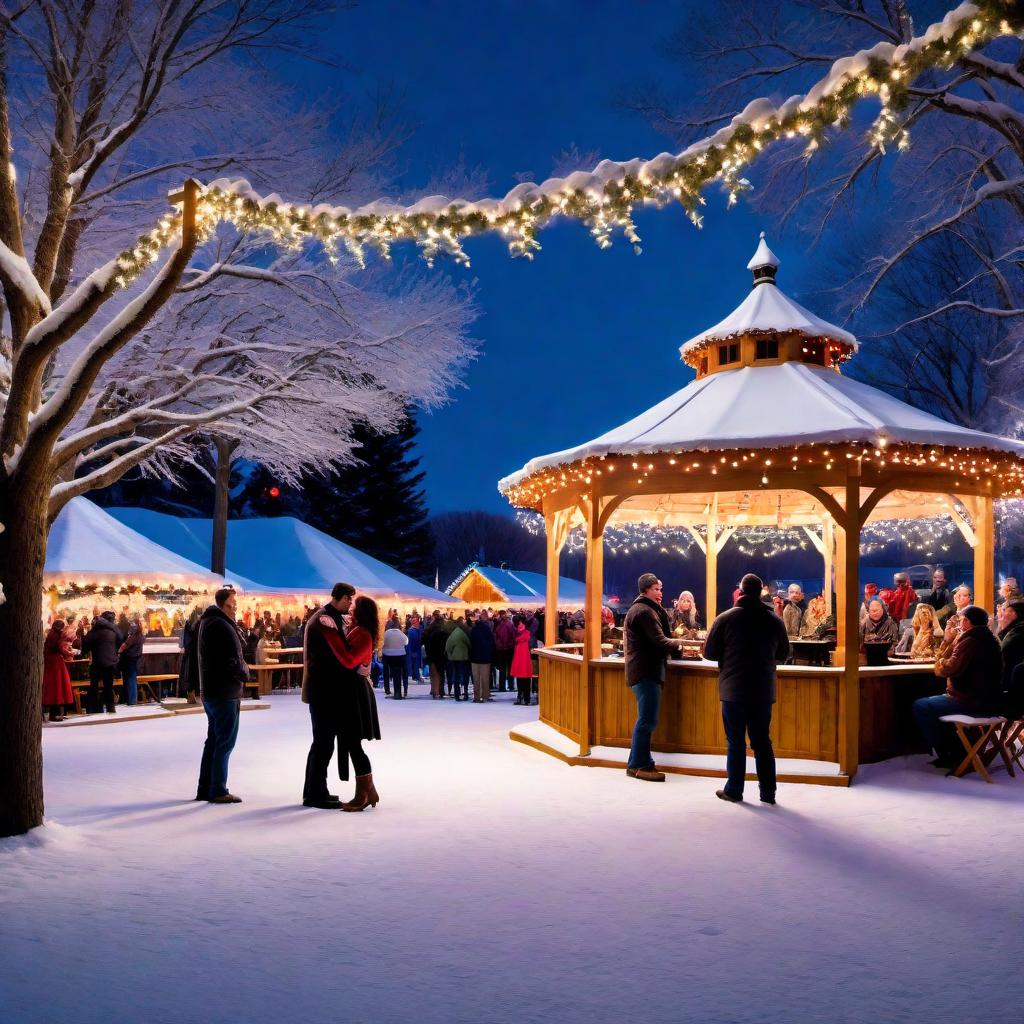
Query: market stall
(770, 433)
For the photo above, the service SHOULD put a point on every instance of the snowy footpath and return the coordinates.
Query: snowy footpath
(495, 884)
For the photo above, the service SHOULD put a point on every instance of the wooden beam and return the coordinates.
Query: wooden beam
(984, 553)
(723, 538)
(556, 530)
(848, 623)
(591, 616)
(697, 537)
(711, 562)
(828, 537)
(961, 524)
(818, 542)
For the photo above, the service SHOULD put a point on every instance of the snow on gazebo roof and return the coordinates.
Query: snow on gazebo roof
(87, 544)
(768, 310)
(768, 407)
(284, 555)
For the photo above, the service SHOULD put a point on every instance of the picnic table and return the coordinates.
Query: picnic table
(264, 673)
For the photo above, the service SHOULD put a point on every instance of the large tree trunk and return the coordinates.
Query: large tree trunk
(22, 552)
(222, 497)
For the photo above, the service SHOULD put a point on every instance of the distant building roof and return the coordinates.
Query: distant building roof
(517, 586)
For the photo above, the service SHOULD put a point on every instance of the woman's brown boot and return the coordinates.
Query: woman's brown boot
(366, 795)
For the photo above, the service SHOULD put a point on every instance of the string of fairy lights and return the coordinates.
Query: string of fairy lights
(930, 537)
(606, 198)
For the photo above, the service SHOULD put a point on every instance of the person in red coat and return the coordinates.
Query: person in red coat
(56, 680)
(522, 663)
(903, 596)
(357, 710)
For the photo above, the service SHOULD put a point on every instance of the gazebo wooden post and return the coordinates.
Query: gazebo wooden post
(592, 509)
(711, 562)
(848, 622)
(556, 530)
(984, 552)
(828, 541)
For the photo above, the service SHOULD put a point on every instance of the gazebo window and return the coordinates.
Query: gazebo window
(767, 348)
(813, 352)
(728, 353)
(703, 368)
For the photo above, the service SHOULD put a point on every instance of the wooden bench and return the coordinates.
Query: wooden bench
(162, 677)
(265, 672)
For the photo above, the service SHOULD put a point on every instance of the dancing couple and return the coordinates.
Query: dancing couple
(338, 644)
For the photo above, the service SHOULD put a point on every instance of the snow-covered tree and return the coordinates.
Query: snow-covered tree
(939, 280)
(271, 351)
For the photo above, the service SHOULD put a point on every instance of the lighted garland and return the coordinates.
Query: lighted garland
(932, 536)
(605, 199)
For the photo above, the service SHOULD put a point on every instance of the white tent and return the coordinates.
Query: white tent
(283, 555)
(88, 546)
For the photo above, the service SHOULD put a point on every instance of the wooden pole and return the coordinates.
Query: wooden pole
(711, 563)
(591, 617)
(848, 623)
(828, 540)
(984, 553)
(556, 524)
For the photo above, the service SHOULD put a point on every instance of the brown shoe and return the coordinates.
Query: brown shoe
(366, 794)
(226, 798)
(648, 774)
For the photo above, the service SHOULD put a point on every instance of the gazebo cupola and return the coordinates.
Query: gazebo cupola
(766, 329)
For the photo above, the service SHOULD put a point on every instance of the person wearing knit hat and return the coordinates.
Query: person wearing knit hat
(973, 670)
(870, 589)
(747, 641)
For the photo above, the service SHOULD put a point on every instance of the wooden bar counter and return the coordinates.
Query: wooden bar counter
(805, 724)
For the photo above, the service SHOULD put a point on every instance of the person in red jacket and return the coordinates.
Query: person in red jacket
(522, 663)
(357, 710)
(56, 680)
(903, 596)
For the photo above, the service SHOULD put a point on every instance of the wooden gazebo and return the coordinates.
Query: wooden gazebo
(769, 433)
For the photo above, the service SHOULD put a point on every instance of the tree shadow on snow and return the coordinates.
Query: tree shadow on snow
(143, 813)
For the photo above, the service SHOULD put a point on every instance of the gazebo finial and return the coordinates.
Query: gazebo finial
(764, 263)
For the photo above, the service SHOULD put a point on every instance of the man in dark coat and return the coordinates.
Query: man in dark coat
(648, 643)
(973, 669)
(747, 641)
(939, 597)
(101, 644)
(222, 675)
(481, 657)
(1010, 615)
(322, 686)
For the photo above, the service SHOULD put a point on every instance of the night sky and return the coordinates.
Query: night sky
(580, 339)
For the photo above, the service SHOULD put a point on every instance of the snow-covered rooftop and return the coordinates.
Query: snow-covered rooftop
(768, 309)
(767, 407)
(282, 555)
(520, 586)
(87, 543)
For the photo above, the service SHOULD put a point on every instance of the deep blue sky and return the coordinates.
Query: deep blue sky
(579, 339)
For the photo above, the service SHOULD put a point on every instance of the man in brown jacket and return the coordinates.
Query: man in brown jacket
(973, 670)
(648, 644)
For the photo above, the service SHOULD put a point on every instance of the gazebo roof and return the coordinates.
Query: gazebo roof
(768, 310)
(789, 400)
(769, 407)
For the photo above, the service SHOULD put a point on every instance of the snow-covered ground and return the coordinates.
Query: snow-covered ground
(496, 884)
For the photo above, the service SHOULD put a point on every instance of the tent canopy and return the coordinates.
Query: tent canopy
(87, 544)
(283, 555)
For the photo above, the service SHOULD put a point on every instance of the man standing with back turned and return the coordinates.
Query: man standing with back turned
(648, 643)
(747, 641)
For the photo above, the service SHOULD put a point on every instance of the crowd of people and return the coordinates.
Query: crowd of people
(980, 658)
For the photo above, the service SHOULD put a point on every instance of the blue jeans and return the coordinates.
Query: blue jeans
(940, 736)
(648, 704)
(221, 733)
(458, 677)
(741, 718)
(129, 680)
(414, 665)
